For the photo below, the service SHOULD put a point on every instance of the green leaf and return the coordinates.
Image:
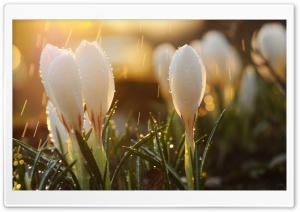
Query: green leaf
(167, 181)
(137, 145)
(31, 149)
(87, 136)
(47, 174)
(74, 178)
(35, 163)
(91, 162)
(206, 150)
(180, 153)
(172, 173)
(107, 144)
(61, 176)
(198, 142)
(138, 173)
(110, 114)
(196, 163)
(168, 135)
(131, 174)
(30, 161)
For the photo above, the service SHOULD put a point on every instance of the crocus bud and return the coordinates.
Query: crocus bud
(163, 55)
(248, 89)
(97, 81)
(270, 43)
(222, 62)
(64, 81)
(187, 78)
(56, 129)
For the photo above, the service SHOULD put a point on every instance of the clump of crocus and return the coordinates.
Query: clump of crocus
(269, 51)
(61, 80)
(187, 78)
(162, 57)
(98, 89)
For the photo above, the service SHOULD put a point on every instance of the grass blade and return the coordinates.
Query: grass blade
(172, 173)
(87, 136)
(47, 173)
(206, 150)
(180, 153)
(88, 155)
(31, 149)
(74, 178)
(35, 163)
(138, 173)
(136, 146)
(61, 176)
(167, 180)
(196, 164)
(108, 117)
(168, 134)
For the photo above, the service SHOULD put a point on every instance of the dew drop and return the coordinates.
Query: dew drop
(170, 91)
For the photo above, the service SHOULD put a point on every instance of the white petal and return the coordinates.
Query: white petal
(221, 60)
(54, 125)
(48, 55)
(96, 77)
(271, 42)
(248, 88)
(163, 55)
(66, 89)
(187, 82)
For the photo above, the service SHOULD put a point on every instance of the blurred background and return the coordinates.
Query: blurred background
(249, 148)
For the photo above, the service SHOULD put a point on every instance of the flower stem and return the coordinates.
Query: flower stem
(101, 159)
(79, 168)
(188, 157)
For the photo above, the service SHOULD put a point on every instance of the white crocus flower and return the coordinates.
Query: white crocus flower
(163, 55)
(56, 129)
(61, 80)
(270, 43)
(248, 89)
(222, 61)
(98, 89)
(187, 78)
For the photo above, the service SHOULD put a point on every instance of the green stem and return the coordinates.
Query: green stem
(79, 168)
(101, 159)
(188, 157)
